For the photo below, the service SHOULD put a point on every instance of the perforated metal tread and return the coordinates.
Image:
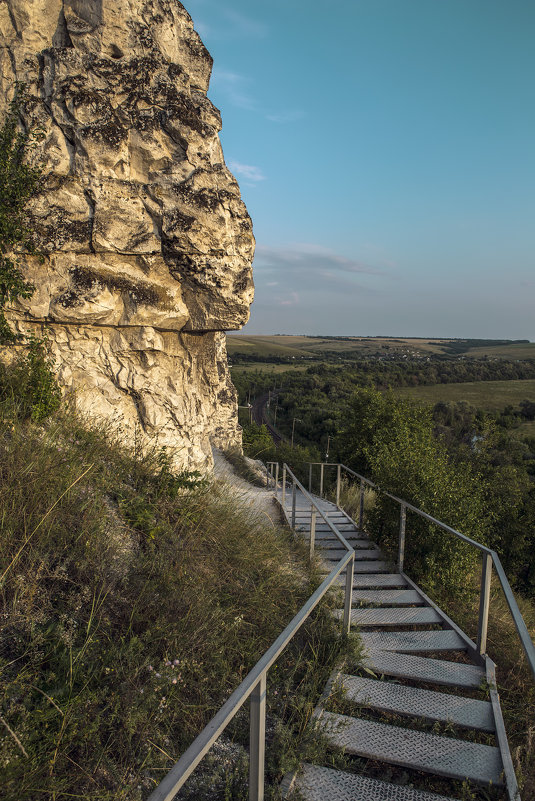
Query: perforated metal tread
(386, 597)
(333, 542)
(421, 668)
(418, 703)
(370, 566)
(337, 553)
(326, 784)
(385, 580)
(407, 641)
(443, 756)
(387, 616)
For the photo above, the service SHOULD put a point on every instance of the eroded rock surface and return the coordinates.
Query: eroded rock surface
(148, 246)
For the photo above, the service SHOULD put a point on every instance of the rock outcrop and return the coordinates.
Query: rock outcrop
(147, 244)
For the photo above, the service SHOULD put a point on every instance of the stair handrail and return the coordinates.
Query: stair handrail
(489, 558)
(254, 686)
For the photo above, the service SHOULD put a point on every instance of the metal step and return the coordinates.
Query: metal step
(443, 756)
(321, 525)
(371, 567)
(326, 784)
(421, 668)
(414, 702)
(386, 597)
(406, 641)
(363, 566)
(337, 553)
(388, 580)
(330, 541)
(386, 616)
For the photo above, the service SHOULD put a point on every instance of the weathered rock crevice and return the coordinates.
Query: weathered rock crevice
(147, 244)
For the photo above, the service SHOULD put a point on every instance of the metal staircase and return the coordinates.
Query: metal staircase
(405, 683)
(399, 624)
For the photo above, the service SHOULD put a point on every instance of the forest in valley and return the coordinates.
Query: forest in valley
(471, 466)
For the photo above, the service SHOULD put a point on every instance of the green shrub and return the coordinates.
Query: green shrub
(18, 182)
(28, 387)
(394, 443)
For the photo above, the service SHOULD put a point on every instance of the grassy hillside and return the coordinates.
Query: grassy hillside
(134, 601)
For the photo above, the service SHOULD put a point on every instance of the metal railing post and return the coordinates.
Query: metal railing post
(338, 481)
(276, 478)
(310, 477)
(283, 489)
(294, 501)
(267, 476)
(313, 514)
(322, 470)
(361, 505)
(257, 740)
(484, 601)
(402, 525)
(349, 596)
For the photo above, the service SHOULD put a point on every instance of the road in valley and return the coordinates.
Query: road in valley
(260, 416)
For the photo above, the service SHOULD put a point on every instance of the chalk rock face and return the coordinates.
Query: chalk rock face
(147, 244)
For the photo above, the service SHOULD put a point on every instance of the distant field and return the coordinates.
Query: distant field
(521, 351)
(263, 346)
(491, 395)
(267, 367)
(302, 347)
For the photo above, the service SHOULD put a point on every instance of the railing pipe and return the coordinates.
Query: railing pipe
(180, 772)
(518, 620)
(402, 525)
(338, 482)
(320, 511)
(346, 622)
(283, 488)
(321, 479)
(294, 501)
(257, 740)
(361, 506)
(277, 477)
(484, 602)
(350, 573)
(313, 514)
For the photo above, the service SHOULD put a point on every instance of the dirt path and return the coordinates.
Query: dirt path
(259, 498)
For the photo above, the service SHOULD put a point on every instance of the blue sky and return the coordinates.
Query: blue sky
(385, 151)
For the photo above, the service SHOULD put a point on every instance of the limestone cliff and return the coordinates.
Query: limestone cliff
(147, 243)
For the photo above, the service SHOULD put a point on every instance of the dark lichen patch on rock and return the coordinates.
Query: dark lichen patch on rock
(87, 279)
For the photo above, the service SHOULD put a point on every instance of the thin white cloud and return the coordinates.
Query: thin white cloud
(237, 88)
(247, 171)
(244, 25)
(283, 117)
(292, 299)
(234, 86)
(312, 258)
(225, 22)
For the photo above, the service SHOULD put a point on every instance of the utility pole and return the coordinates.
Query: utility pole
(293, 428)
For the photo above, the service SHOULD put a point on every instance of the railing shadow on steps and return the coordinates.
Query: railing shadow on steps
(489, 559)
(254, 684)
